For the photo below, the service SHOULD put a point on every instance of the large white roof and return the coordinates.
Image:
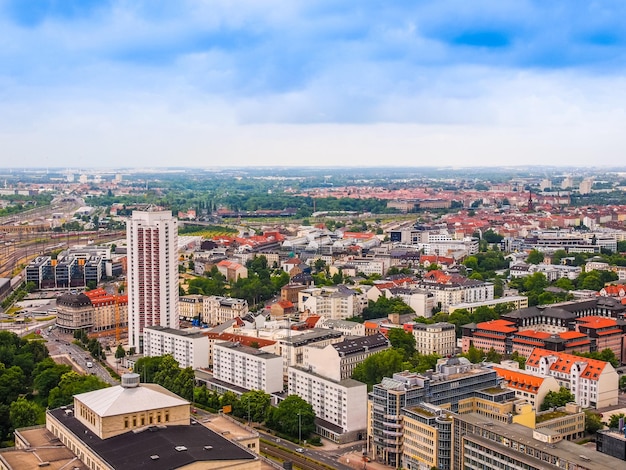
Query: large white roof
(120, 400)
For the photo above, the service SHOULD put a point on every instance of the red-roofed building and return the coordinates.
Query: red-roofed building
(281, 308)
(487, 335)
(593, 383)
(530, 387)
(609, 333)
(232, 270)
(106, 315)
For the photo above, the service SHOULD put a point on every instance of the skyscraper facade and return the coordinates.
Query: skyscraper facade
(152, 239)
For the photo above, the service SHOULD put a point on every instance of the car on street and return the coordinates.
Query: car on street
(300, 449)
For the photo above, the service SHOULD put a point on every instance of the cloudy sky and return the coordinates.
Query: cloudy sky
(109, 83)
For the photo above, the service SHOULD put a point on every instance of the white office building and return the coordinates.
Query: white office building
(189, 347)
(152, 239)
(340, 406)
(247, 367)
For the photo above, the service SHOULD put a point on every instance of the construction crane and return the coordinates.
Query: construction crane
(120, 288)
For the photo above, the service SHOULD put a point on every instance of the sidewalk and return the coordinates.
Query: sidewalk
(355, 460)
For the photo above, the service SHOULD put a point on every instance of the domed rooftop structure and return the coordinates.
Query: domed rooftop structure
(74, 300)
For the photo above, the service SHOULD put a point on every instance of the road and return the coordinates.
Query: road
(60, 344)
(328, 456)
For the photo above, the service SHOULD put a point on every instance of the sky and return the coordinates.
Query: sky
(213, 83)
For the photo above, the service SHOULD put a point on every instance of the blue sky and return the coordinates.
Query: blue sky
(276, 82)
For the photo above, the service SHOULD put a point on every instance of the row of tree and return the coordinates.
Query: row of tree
(293, 417)
(30, 382)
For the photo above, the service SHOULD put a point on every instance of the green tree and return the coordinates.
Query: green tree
(402, 341)
(535, 257)
(474, 355)
(622, 382)
(593, 422)
(293, 416)
(167, 373)
(120, 352)
(72, 384)
(383, 364)
(614, 420)
(253, 405)
(47, 375)
(24, 413)
(557, 399)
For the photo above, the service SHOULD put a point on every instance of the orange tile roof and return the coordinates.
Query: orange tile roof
(565, 361)
(501, 326)
(483, 334)
(572, 335)
(520, 380)
(92, 294)
(243, 339)
(577, 343)
(312, 320)
(533, 334)
(609, 332)
(597, 322)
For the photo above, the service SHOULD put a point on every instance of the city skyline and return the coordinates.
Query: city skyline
(274, 83)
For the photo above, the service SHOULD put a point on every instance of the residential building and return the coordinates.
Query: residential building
(340, 406)
(337, 361)
(247, 367)
(437, 338)
(334, 302)
(347, 328)
(453, 289)
(110, 313)
(190, 348)
(515, 301)
(231, 270)
(190, 306)
(593, 383)
(527, 386)
(292, 346)
(217, 310)
(421, 301)
(152, 243)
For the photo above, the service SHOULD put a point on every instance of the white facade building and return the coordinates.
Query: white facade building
(334, 303)
(190, 348)
(247, 367)
(593, 383)
(340, 407)
(152, 239)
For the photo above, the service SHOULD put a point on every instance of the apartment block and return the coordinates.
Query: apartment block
(190, 348)
(190, 306)
(593, 383)
(340, 406)
(337, 361)
(437, 338)
(217, 310)
(527, 386)
(247, 367)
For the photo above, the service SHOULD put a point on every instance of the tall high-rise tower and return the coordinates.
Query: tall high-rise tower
(152, 239)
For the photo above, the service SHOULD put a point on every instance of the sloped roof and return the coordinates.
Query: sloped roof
(520, 380)
(121, 400)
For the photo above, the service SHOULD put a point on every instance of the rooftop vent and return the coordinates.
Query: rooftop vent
(154, 457)
(131, 380)
(180, 448)
(208, 447)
